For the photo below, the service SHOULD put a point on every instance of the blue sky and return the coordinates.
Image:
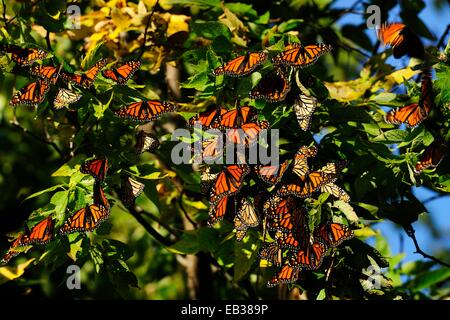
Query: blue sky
(438, 210)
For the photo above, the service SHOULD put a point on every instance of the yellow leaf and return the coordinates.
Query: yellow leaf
(158, 175)
(177, 23)
(365, 232)
(11, 273)
(345, 91)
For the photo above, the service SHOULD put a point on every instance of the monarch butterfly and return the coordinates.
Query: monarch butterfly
(333, 168)
(300, 167)
(64, 97)
(208, 118)
(273, 87)
(310, 255)
(219, 207)
(86, 219)
(242, 65)
(99, 196)
(304, 107)
(431, 157)
(86, 79)
(32, 94)
(236, 118)
(145, 110)
(288, 215)
(272, 253)
(49, 73)
(23, 56)
(296, 55)
(96, 168)
(335, 191)
(245, 218)
(307, 184)
(130, 190)
(333, 234)
(402, 39)
(123, 72)
(247, 134)
(210, 150)
(286, 274)
(207, 179)
(271, 174)
(146, 142)
(229, 181)
(41, 233)
(288, 240)
(13, 251)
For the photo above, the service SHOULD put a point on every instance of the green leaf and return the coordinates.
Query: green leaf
(91, 57)
(211, 30)
(442, 81)
(322, 295)
(68, 168)
(246, 253)
(290, 25)
(392, 136)
(60, 200)
(37, 194)
(429, 278)
(75, 247)
(200, 3)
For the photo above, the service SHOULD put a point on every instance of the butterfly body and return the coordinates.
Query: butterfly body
(242, 65)
(145, 110)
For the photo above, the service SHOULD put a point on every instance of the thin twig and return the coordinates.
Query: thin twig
(16, 124)
(411, 233)
(164, 241)
(146, 29)
(47, 40)
(442, 39)
(432, 198)
(171, 230)
(180, 203)
(4, 16)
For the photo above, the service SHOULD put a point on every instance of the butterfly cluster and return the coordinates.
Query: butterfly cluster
(405, 42)
(280, 199)
(88, 218)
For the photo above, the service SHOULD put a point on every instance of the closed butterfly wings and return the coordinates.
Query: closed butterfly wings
(96, 168)
(431, 157)
(246, 217)
(273, 87)
(41, 233)
(65, 97)
(304, 107)
(146, 142)
(130, 190)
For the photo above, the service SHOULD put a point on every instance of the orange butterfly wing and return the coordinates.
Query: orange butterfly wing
(86, 79)
(431, 157)
(298, 56)
(272, 174)
(41, 233)
(242, 65)
(333, 234)
(85, 220)
(146, 110)
(411, 115)
(95, 167)
(273, 87)
(230, 180)
(99, 196)
(122, 73)
(48, 73)
(208, 117)
(286, 274)
(24, 56)
(32, 94)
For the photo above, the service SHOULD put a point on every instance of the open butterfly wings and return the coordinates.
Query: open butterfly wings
(23, 56)
(207, 118)
(146, 110)
(296, 55)
(122, 73)
(242, 65)
(49, 73)
(32, 94)
(85, 80)
(86, 219)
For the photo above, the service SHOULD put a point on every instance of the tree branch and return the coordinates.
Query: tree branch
(411, 233)
(47, 40)
(4, 16)
(164, 241)
(146, 29)
(442, 39)
(16, 124)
